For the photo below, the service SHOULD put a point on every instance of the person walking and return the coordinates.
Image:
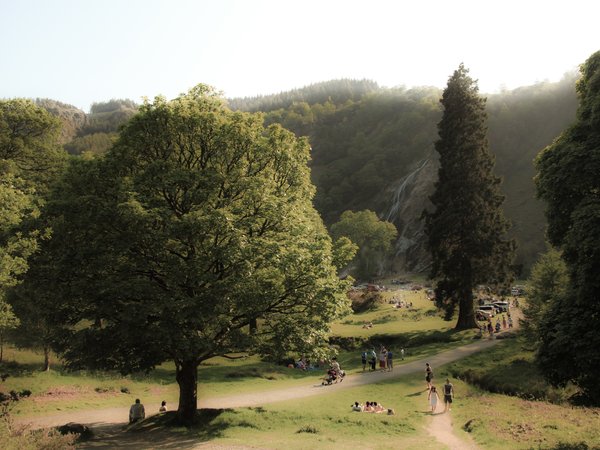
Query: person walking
(382, 358)
(433, 398)
(448, 395)
(402, 353)
(428, 375)
(390, 361)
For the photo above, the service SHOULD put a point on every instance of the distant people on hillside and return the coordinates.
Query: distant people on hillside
(137, 411)
(402, 353)
(390, 361)
(163, 407)
(433, 398)
(363, 360)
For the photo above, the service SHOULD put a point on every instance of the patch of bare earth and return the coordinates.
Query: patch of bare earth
(440, 427)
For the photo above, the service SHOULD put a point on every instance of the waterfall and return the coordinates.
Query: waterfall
(400, 193)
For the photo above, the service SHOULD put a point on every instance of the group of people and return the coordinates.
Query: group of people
(137, 411)
(386, 359)
(432, 393)
(372, 407)
(506, 323)
(400, 303)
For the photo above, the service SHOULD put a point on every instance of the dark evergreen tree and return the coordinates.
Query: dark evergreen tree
(466, 230)
(568, 181)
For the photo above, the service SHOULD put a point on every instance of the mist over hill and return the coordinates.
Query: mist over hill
(372, 148)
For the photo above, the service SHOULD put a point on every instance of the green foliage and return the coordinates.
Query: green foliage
(568, 181)
(335, 91)
(467, 230)
(374, 238)
(95, 143)
(365, 301)
(30, 159)
(197, 223)
(8, 321)
(361, 144)
(29, 141)
(113, 105)
(547, 283)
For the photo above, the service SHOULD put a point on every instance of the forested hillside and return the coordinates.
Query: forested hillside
(94, 132)
(372, 148)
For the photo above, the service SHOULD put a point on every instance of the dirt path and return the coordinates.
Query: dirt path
(440, 427)
(118, 415)
(108, 424)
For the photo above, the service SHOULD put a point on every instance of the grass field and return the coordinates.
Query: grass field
(521, 420)
(494, 421)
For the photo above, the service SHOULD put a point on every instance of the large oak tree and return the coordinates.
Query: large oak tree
(196, 225)
(466, 230)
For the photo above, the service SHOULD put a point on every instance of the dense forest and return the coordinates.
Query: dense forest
(372, 148)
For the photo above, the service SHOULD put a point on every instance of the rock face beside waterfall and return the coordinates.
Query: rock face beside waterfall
(406, 199)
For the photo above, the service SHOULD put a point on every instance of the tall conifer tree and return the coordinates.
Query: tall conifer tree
(467, 229)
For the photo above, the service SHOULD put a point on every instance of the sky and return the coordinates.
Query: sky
(84, 51)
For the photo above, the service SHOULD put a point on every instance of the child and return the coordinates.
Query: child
(433, 398)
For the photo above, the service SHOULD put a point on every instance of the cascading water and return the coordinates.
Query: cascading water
(401, 193)
(409, 198)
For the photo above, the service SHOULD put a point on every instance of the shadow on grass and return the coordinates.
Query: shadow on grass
(15, 369)
(407, 340)
(160, 431)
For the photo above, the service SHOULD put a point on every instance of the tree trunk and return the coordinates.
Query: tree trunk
(46, 359)
(253, 325)
(466, 313)
(187, 378)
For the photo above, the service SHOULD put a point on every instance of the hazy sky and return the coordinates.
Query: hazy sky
(82, 51)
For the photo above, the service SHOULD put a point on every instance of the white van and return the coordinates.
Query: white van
(488, 308)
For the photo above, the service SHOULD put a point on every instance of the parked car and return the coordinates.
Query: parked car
(517, 291)
(502, 306)
(480, 314)
(491, 309)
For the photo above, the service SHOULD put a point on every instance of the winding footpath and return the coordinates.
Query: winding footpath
(104, 421)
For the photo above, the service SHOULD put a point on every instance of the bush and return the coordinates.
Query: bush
(365, 301)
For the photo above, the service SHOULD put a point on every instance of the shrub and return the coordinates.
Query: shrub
(308, 429)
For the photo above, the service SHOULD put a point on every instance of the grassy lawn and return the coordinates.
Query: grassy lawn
(421, 334)
(495, 421)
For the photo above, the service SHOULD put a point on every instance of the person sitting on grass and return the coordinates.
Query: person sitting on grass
(357, 407)
(163, 406)
(136, 412)
(368, 407)
(378, 408)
